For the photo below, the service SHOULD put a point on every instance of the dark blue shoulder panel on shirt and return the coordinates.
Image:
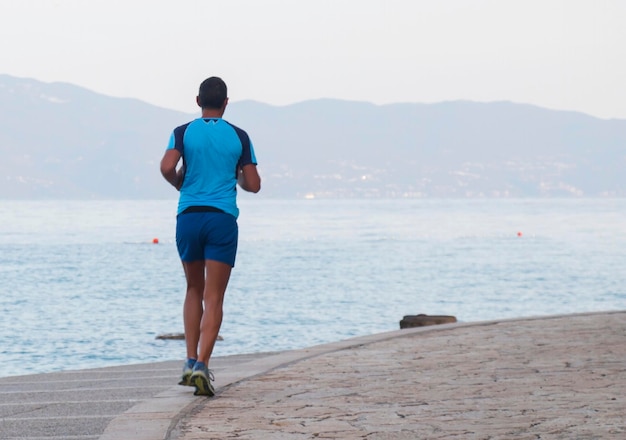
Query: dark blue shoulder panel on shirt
(246, 153)
(179, 134)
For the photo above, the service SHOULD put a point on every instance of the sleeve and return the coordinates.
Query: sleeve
(176, 139)
(247, 150)
(247, 154)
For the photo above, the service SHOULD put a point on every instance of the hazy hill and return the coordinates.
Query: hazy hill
(62, 141)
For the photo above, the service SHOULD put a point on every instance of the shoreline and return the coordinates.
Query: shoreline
(261, 353)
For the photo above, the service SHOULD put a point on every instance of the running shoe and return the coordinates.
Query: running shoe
(185, 380)
(201, 378)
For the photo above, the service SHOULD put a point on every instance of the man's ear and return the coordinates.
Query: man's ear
(225, 104)
(198, 101)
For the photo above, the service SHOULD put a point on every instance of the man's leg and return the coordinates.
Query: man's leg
(217, 276)
(192, 308)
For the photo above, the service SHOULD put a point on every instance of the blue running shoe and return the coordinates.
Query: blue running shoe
(201, 378)
(187, 370)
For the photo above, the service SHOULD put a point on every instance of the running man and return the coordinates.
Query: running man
(216, 156)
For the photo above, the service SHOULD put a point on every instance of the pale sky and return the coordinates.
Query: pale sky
(558, 54)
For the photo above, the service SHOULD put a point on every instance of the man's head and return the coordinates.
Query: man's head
(213, 93)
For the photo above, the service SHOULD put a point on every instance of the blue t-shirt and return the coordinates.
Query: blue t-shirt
(212, 150)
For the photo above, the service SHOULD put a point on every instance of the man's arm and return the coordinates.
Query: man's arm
(249, 179)
(168, 168)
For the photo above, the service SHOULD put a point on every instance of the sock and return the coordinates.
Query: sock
(199, 366)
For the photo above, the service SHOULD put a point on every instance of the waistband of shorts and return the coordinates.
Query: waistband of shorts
(193, 209)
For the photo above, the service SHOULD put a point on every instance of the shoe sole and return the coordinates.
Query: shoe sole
(203, 386)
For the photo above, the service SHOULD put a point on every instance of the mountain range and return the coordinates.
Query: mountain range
(61, 141)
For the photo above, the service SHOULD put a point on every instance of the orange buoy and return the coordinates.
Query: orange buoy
(155, 240)
(519, 234)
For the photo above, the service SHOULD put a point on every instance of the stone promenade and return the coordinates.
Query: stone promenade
(546, 378)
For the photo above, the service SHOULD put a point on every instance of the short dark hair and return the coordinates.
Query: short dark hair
(213, 93)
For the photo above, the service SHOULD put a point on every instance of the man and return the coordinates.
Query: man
(216, 156)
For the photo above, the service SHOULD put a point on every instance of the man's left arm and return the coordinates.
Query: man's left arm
(168, 168)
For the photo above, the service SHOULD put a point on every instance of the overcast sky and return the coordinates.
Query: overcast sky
(559, 54)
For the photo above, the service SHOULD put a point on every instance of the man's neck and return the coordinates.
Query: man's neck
(212, 113)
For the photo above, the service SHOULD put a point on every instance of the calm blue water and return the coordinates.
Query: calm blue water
(82, 285)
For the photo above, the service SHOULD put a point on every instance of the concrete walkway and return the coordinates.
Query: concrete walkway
(546, 378)
(80, 405)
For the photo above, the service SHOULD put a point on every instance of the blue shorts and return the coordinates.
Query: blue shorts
(207, 236)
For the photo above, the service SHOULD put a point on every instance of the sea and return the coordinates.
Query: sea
(87, 284)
